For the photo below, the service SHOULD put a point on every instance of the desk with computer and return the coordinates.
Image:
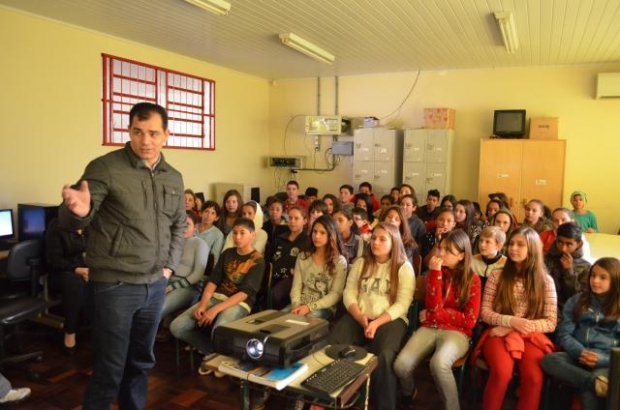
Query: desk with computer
(333, 376)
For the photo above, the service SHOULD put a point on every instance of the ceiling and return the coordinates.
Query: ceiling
(366, 36)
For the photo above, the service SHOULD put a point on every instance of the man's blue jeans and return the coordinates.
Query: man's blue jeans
(125, 318)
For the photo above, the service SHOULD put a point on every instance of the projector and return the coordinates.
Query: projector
(271, 337)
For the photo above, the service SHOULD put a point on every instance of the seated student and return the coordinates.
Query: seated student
(352, 245)
(190, 202)
(409, 205)
(276, 224)
(385, 203)
(585, 218)
(345, 194)
(311, 195)
(589, 329)
(283, 255)
(452, 305)
(395, 217)
(504, 220)
(493, 206)
(360, 218)
(395, 194)
(208, 231)
(535, 216)
(292, 194)
(377, 296)
(561, 216)
(65, 251)
(445, 223)
(490, 244)
(565, 262)
(184, 282)
(253, 212)
(231, 210)
(229, 294)
(449, 201)
(464, 214)
(406, 189)
(317, 208)
(429, 211)
(501, 197)
(320, 272)
(366, 188)
(363, 201)
(332, 202)
(519, 303)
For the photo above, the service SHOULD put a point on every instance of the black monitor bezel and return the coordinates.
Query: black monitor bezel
(12, 235)
(509, 134)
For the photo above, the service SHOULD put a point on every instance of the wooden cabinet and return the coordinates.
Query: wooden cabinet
(524, 170)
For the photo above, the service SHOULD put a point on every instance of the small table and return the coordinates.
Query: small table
(341, 398)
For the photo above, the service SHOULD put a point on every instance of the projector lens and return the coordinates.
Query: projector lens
(255, 348)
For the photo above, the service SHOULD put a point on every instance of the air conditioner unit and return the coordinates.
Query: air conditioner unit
(608, 85)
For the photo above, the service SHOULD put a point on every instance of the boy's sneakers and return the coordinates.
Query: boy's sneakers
(15, 396)
(203, 370)
(601, 385)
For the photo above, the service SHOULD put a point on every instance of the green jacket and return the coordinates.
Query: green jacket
(137, 218)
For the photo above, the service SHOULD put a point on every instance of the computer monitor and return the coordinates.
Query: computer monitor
(509, 123)
(6, 224)
(32, 220)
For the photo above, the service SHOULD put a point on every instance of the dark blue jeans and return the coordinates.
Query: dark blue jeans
(125, 318)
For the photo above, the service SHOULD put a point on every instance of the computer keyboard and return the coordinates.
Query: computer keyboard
(333, 376)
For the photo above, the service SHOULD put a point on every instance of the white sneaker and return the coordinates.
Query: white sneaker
(15, 396)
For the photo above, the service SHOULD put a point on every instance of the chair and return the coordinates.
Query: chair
(18, 300)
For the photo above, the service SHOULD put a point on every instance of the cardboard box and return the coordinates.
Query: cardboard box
(442, 118)
(544, 128)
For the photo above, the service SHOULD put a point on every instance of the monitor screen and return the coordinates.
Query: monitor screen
(6, 224)
(509, 123)
(32, 220)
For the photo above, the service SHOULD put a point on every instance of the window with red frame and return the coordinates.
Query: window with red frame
(188, 99)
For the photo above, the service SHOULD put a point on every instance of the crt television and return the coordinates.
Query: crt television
(6, 224)
(32, 220)
(509, 123)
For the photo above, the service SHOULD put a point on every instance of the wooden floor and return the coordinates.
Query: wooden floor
(63, 380)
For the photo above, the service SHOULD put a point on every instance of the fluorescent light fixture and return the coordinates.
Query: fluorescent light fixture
(219, 7)
(306, 47)
(506, 24)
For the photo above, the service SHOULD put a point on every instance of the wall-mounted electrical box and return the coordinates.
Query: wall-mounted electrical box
(285, 162)
(342, 147)
(323, 125)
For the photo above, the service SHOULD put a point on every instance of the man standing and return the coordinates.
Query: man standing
(132, 202)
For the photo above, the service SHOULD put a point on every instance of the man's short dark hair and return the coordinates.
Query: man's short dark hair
(144, 110)
(367, 185)
(293, 182)
(245, 223)
(347, 187)
(433, 192)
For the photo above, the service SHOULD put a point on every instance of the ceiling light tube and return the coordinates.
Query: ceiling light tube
(219, 7)
(506, 24)
(306, 47)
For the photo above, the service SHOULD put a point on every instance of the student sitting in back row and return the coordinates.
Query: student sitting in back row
(585, 218)
(490, 244)
(566, 264)
(229, 294)
(360, 217)
(429, 211)
(208, 231)
(253, 212)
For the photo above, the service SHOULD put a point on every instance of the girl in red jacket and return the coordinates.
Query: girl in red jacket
(520, 305)
(452, 305)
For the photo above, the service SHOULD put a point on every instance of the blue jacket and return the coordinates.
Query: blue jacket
(588, 331)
